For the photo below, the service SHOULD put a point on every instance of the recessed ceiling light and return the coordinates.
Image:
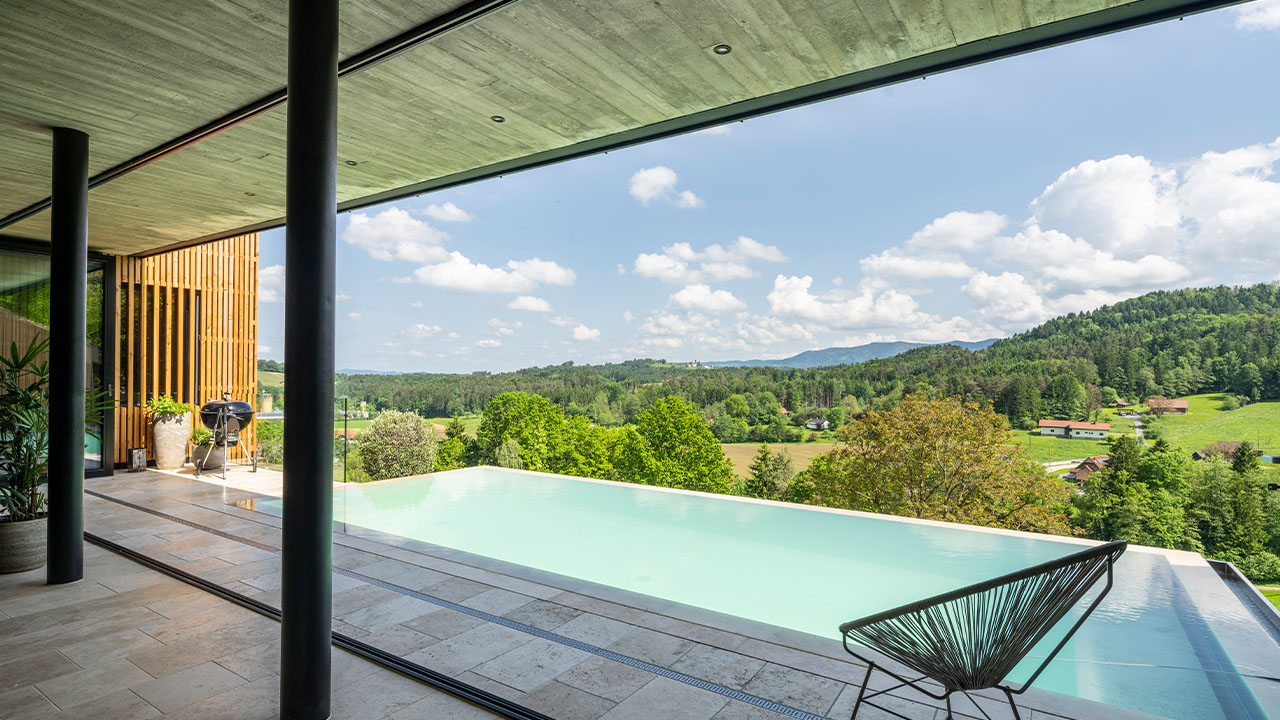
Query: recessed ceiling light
(250, 194)
(722, 49)
(497, 118)
(352, 163)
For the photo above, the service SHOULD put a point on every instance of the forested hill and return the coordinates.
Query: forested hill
(1169, 343)
(845, 355)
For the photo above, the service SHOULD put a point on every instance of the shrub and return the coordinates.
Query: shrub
(508, 455)
(201, 435)
(1262, 568)
(271, 441)
(397, 444)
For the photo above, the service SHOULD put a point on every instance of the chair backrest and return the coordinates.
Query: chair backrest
(971, 638)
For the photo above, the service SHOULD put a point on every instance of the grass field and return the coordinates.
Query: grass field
(270, 378)
(1272, 594)
(1205, 423)
(740, 454)
(352, 424)
(471, 421)
(1046, 448)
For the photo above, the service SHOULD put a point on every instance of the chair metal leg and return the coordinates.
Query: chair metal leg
(857, 703)
(1012, 704)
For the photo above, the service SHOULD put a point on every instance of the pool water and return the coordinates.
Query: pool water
(809, 570)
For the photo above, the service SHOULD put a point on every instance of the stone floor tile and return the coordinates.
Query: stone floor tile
(348, 668)
(26, 703)
(497, 601)
(542, 614)
(904, 701)
(379, 695)
(664, 698)
(718, 666)
(606, 678)
(794, 688)
(565, 702)
(444, 624)
(122, 705)
(100, 648)
(186, 604)
(191, 650)
(388, 612)
(92, 683)
(469, 649)
(403, 574)
(17, 606)
(188, 687)
(30, 669)
(267, 582)
(258, 700)
(652, 647)
(531, 665)
(595, 630)
(254, 662)
(440, 706)
(399, 639)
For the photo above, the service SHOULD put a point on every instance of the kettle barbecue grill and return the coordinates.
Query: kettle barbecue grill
(225, 418)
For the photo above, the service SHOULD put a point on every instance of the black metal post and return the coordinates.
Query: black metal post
(68, 270)
(310, 219)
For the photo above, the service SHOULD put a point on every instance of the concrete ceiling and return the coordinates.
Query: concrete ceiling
(569, 77)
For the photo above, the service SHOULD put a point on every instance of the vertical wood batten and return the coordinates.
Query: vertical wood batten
(207, 338)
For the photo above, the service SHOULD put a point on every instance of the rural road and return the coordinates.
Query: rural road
(1137, 426)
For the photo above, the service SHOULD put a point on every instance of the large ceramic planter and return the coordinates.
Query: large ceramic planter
(169, 435)
(22, 544)
(208, 457)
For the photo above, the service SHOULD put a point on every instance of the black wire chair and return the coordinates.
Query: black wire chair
(971, 638)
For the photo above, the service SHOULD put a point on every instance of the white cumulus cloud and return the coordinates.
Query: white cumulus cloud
(529, 303)
(461, 274)
(394, 234)
(680, 264)
(702, 297)
(659, 183)
(448, 213)
(1258, 15)
(582, 332)
(271, 284)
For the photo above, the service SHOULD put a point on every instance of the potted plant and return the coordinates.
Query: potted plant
(169, 422)
(204, 454)
(24, 456)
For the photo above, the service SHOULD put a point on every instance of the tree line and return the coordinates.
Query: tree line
(1169, 343)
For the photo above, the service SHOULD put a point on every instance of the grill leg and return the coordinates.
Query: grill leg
(1012, 704)
(858, 703)
(949, 706)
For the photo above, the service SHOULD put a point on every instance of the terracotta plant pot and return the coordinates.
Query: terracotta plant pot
(206, 457)
(169, 435)
(22, 544)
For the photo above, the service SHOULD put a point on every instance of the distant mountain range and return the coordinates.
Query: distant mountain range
(358, 371)
(845, 355)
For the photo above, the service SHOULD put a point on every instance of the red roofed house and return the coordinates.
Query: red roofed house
(1075, 430)
(1090, 466)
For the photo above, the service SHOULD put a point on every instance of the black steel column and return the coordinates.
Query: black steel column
(68, 270)
(310, 219)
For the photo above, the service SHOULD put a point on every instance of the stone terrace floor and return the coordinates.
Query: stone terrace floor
(133, 641)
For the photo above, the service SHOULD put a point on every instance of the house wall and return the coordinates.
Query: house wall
(186, 325)
(1053, 431)
(1088, 434)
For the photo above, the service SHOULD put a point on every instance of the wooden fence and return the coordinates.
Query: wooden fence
(186, 326)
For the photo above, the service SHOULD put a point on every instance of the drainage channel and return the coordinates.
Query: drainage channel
(479, 614)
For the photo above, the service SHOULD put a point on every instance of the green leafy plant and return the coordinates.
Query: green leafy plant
(201, 435)
(165, 407)
(24, 429)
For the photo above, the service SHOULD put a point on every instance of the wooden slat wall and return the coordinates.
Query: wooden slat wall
(188, 323)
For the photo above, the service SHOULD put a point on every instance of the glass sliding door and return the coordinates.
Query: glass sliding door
(24, 316)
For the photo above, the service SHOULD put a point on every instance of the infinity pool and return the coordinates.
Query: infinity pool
(1149, 647)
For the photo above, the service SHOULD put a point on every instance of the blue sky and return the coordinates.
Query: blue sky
(972, 204)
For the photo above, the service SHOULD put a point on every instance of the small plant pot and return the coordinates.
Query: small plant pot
(22, 544)
(208, 457)
(169, 435)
